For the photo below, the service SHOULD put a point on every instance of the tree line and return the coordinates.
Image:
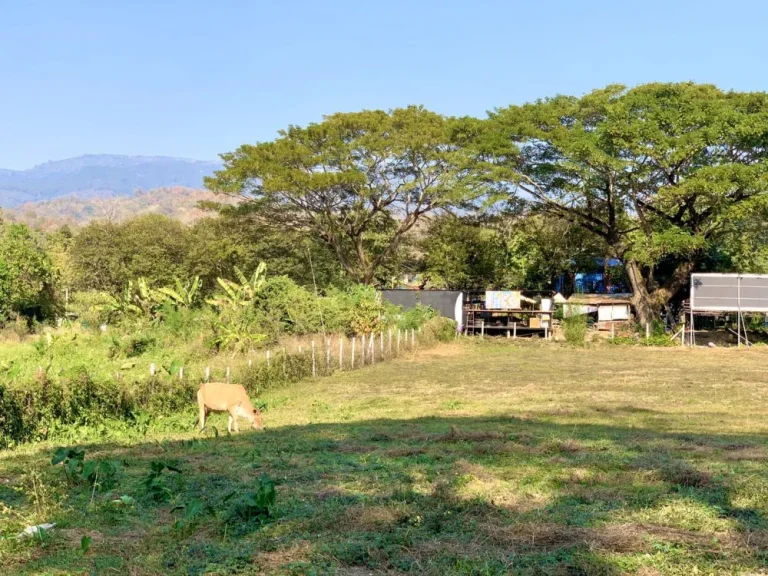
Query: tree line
(667, 178)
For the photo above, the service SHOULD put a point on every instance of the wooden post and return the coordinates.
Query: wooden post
(299, 348)
(327, 354)
(381, 344)
(314, 367)
(682, 333)
(390, 341)
(354, 339)
(514, 330)
(207, 373)
(285, 362)
(181, 373)
(362, 348)
(152, 369)
(268, 355)
(647, 330)
(250, 362)
(372, 345)
(413, 338)
(398, 340)
(229, 373)
(341, 353)
(482, 328)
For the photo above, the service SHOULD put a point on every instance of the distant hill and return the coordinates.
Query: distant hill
(100, 176)
(177, 202)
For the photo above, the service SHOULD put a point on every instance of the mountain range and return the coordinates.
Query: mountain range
(100, 176)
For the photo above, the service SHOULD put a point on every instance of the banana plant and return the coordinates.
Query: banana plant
(120, 305)
(236, 336)
(238, 295)
(145, 297)
(184, 295)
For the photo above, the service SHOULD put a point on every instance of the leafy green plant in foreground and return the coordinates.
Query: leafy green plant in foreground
(257, 506)
(154, 484)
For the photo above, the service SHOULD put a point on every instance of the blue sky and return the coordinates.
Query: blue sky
(196, 78)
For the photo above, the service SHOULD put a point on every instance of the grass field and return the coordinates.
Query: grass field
(465, 459)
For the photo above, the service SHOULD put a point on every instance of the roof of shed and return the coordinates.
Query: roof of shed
(600, 299)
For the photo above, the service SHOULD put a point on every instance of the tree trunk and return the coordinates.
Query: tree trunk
(649, 302)
(642, 301)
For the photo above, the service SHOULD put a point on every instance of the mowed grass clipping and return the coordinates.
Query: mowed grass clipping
(470, 458)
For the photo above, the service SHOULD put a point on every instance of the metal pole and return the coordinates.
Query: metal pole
(692, 338)
(738, 313)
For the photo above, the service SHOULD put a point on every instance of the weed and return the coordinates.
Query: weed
(154, 484)
(256, 506)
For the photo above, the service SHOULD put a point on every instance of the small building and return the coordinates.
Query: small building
(607, 309)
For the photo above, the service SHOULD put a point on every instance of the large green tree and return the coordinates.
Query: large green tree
(26, 274)
(659, 172)
(218, 245)
(359, 182)
(105, 255)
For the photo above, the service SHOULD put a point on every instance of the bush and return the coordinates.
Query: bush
(575, 329)
(439, 329)
(415, 317)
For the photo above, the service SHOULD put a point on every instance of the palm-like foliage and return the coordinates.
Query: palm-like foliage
(240, 294)
(184, 295)
(234, 328)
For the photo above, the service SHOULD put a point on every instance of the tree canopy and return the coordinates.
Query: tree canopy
(358, 181)
(658, 172)
(26, 274)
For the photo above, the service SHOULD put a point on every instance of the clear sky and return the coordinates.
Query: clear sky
(194, 78)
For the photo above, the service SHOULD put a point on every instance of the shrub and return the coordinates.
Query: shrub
(416, 317)
(439, 329)
(575, 329)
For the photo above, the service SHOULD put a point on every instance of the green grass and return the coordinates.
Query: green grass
(464, 459)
